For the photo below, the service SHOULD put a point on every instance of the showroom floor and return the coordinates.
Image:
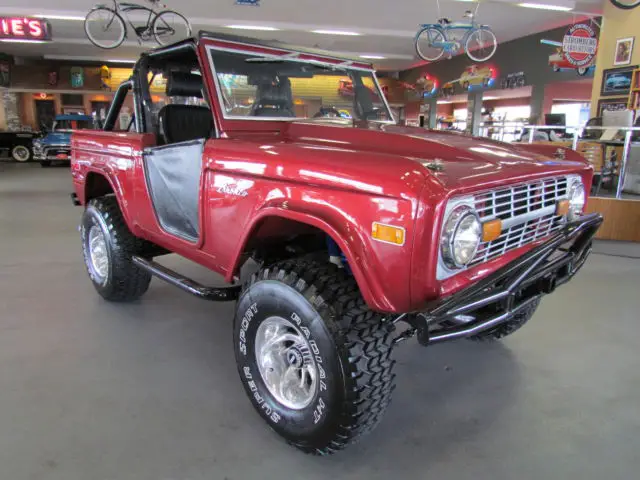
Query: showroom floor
(149, 391)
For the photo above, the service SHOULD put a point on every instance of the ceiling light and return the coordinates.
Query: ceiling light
(542, 6)
(373, 57)
(119, 60)
(60, 17)
(16, 40)
(336, 32)
(262, 28)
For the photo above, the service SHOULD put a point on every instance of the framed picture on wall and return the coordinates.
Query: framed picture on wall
(616, 81)
(611, 104)
(624, 49)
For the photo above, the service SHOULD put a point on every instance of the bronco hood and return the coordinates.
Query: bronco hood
(456, 161)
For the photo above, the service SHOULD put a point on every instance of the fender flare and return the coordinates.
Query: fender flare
(369, 288)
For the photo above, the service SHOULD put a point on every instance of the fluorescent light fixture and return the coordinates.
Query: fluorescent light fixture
(490, 98)
(336, 32)
(373, 57)
(16, 40)
(61, 17)
(119, 60)
(262, 28)
(542, 6)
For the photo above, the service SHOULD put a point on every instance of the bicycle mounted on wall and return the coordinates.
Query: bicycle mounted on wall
(105, 26)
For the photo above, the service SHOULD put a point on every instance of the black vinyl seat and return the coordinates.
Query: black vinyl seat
(181, 123)
(274, 99)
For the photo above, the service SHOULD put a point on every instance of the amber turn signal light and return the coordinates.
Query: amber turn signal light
(491, 230)
(388, 233)
(562, 208)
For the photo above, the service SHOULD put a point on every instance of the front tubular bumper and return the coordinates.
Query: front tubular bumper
(500, 296)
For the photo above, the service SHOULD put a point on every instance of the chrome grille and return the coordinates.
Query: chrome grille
(521, 199)
(517, 236)
(527, 211)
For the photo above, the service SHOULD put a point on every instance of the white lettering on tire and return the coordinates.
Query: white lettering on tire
(244, 325)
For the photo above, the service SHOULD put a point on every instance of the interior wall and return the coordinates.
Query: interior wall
(579, 90)
(616, 23)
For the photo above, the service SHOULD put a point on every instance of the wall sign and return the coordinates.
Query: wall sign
(513, 80)
(580, 44)
(77, 77)
(24, 28)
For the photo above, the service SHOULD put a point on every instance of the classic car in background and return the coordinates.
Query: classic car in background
(18, 145)
(558, 61)
(476, 76)
(55, 146)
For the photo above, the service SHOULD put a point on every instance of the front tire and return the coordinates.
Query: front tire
(105, 28)
(107, 246)
(485, 43)
(21, 153)
(313, 359)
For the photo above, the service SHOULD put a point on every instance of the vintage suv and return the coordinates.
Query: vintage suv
(353, 226)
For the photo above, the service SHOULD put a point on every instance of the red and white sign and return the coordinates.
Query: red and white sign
(580, 44)
(24, 28)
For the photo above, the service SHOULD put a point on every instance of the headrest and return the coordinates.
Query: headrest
(275, 93)
(184, 84)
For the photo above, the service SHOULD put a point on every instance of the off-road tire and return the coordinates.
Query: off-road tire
(124, 282)
(354, 345)
(509, 327)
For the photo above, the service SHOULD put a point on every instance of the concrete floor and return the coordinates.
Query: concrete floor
(149, 391)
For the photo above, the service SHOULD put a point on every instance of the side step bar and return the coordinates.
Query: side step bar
(215, 294)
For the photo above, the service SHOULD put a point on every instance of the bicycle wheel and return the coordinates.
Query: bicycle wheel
(105, 28)
(481, 44)
(169, 27)
(626, 4)
(429, 44)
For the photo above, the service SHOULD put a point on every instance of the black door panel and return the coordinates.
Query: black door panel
(173, 178)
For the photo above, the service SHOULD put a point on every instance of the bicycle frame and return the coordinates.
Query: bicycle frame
(450, 46)
(125, 7)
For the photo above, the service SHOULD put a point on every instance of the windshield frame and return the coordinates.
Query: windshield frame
(280, 54)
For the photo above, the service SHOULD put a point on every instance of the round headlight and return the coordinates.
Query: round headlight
(461, 237)
(576, 200)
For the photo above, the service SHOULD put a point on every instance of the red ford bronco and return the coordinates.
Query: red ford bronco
(361, 232)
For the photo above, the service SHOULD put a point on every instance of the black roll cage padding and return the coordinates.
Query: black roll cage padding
(144, 119)
(116, 105)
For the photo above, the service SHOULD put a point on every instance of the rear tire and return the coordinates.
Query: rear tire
(509, 327)
(107, 246)
(326, 328)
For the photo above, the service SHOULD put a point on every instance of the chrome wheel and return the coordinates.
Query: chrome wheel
(20, 153)
(98, 252)
(286, 363)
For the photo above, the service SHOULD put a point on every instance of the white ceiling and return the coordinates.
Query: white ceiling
(386, 27)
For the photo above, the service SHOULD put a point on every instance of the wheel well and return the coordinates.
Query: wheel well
(281, 238)
(96, 185)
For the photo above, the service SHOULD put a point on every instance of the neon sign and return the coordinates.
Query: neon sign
(24, 28)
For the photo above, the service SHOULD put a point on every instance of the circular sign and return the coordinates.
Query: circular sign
(580, 44)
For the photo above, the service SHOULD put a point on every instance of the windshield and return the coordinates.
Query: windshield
(257, 86)
(71, 125)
